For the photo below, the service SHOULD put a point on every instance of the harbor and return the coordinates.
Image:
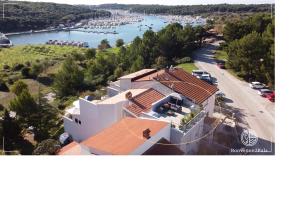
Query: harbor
(68, 43)
(121, 25)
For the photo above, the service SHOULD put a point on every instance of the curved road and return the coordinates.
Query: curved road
(258, 113)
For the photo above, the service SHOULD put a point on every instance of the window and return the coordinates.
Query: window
(76, 120)
(79, 122)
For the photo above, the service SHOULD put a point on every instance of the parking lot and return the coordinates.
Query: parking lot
(254, 112)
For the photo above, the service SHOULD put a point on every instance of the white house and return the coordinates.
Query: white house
(86, 118)
(167, 96)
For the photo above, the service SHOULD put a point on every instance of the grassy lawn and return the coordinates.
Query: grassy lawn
(31, 53)
(189, 67)
(33, 86)
(22, 54)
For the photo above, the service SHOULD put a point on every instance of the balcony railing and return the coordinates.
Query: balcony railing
(185, 128)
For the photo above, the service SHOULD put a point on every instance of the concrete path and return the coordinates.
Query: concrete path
(258, 113)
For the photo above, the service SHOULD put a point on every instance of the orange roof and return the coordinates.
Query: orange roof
(149, 77)
(138, 74)
(73, 148)
(123, 137)
(187, 85)
(142, 102)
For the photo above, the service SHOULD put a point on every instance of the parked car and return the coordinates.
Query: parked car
(257, 85)
(271, 97)
(221, 64)
(207, 78)
(264, 92)
(198, 73)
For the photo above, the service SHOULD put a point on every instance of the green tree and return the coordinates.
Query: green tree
(11, 132)
(47, 147)
(118, 73)
(104, 45)
(69, 79)
(161, 62)
(149, 48)
(45, 120)
(25, 107)
(246, 54)
(138, 64)
(119, 42)
(18, 87)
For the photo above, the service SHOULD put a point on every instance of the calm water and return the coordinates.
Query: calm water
(126, 32)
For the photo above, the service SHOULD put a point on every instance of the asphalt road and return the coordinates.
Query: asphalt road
(257, 113)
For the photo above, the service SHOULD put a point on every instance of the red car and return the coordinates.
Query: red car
(221, 64)
(271, 97)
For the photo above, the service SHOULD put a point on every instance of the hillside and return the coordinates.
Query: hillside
(26, 16)
(189, 10)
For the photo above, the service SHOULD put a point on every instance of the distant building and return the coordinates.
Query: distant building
(171, 97)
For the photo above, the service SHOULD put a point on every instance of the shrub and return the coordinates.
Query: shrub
(90, 53)
(184, 60)
(27, 63)
(1, 107)
(17, 67)
(3, 86)
(47, 147)
(6, 67)
(25, 72)
(10, 81)
(19, 87)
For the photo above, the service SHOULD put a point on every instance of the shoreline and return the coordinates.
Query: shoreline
(36, 31)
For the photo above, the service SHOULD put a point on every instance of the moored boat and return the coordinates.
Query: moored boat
(5, 42)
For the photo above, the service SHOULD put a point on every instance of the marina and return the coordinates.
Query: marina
(121, 25)
(68, 43)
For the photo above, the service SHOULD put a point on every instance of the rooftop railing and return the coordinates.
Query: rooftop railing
(191, 123)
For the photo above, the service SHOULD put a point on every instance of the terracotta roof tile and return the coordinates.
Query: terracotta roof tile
(186, 84)
(123, 137)
(73, 148)
(142, 102)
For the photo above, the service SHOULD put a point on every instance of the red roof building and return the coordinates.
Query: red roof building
(187, 85)
(142, 102)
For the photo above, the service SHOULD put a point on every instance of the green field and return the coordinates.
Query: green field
(22, 54)
(32, 54)
(189, 67)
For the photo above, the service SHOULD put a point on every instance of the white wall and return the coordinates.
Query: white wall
(112, 91)
(94, 118)
(211, 105)
(178, 137)
(125, 84)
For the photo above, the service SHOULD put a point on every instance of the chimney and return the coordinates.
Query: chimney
(146, 133)
(128, 95)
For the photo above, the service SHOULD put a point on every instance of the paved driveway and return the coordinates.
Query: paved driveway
(257, 113)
